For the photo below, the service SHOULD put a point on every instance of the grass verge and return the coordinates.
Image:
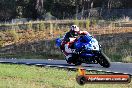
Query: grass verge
(21, 76)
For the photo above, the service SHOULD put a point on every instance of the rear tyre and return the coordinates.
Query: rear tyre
(76, 60)
(77, 63)
(103, 60)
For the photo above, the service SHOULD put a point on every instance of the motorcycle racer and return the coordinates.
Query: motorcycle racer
(68, 41)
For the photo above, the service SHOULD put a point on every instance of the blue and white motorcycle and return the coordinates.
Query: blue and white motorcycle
(88, 51)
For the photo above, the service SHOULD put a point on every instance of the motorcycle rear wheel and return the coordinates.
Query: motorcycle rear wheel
(77, 63)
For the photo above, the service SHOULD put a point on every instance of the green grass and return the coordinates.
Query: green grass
(21, 76)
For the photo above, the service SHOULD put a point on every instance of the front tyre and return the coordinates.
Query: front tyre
(103, 60)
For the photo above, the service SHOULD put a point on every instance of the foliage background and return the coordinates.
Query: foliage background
(62, 9)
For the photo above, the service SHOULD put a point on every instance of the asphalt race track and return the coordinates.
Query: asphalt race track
(116, 67)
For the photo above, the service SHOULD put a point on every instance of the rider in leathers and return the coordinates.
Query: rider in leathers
(68, 40)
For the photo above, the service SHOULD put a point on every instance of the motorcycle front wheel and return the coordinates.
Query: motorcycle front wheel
(103, 60)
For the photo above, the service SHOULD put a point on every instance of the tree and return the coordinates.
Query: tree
(115, 4)
(40, 8)
(7, 9)
(26, 6)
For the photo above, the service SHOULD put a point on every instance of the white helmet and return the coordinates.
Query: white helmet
(75, 28)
